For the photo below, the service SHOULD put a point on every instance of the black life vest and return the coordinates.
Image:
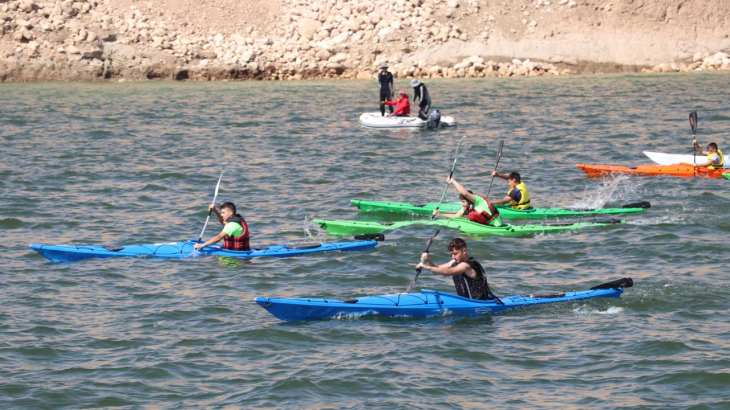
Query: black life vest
(482, 217)
(237, 243)
(473, 288)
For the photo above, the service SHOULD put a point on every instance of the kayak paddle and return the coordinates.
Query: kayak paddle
(693, 125)
(499, 155)
(451, 174)
(418, 271)
(210, 210)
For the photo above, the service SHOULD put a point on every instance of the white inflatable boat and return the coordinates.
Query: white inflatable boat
(671, 159)
(376, 120)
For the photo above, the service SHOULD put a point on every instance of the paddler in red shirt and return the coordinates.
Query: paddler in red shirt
(402, 105)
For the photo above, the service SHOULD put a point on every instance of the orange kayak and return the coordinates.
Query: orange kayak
(677, 170)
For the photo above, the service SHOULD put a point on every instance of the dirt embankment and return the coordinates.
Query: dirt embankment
(96, 40)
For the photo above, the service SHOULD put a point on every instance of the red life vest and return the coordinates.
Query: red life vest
(237, 243)
(482, 217)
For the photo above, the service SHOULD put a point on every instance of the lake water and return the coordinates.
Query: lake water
(110, 164)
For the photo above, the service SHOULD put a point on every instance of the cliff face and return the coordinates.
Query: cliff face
(92, 40)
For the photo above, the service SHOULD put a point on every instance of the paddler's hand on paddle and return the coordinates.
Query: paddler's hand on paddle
(198, 246)
(436, 212)
(425, 262)
(449, 180)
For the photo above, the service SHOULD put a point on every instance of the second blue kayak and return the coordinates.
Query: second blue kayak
(426, 303)
(179, 250)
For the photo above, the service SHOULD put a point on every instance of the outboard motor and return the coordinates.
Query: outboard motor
(434, 119)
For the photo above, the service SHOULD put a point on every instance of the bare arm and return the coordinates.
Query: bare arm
(699, 148)
(447, 270)
(497, 174)
(446, 215)
(703, 152)
(211, 241)
(217, 214)
(504, 200)
(463, 191)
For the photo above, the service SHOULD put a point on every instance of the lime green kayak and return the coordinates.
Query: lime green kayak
(504, 211)
(726, 175)
(343, 228)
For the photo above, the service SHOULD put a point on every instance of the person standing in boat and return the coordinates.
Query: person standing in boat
(518, 196)
(235, 229)
(475, 207)
(385, 79)
(468, 274)
(715, 159)
(403, 107)
(420, 92)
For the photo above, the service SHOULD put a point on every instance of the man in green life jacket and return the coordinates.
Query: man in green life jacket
(715, 159)
(518, 196)
(475, 207)
(235, 230)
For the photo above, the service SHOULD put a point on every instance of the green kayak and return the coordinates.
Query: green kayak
(726, 175)
(504, 211)
(343, 228)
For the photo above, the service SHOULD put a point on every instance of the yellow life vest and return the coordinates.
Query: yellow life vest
(525, 201)
(722, 160)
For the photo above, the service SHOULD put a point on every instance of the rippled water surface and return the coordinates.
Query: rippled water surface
(137, 163)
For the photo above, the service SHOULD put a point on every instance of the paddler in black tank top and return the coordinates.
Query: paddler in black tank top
(468, 274)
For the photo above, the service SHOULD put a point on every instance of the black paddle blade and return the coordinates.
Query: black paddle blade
(618, 283)
(693, 121)
(642, 204)
(370, 237)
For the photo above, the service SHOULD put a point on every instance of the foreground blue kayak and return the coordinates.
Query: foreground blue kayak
(426, 303)
(179, 250)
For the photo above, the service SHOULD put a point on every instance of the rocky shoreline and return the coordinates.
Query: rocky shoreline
(119, 40)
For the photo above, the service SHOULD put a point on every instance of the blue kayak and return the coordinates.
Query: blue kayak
(179, 250)
(426, 303)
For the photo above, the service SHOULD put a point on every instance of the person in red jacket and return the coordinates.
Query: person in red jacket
(402, 105)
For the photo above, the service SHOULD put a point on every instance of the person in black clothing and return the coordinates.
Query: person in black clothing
(385, 79)
(421, 92)
(468, 274)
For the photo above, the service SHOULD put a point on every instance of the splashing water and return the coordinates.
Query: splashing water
(313, 231)
(610, 189)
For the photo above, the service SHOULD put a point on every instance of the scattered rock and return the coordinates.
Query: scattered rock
(315, 39)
